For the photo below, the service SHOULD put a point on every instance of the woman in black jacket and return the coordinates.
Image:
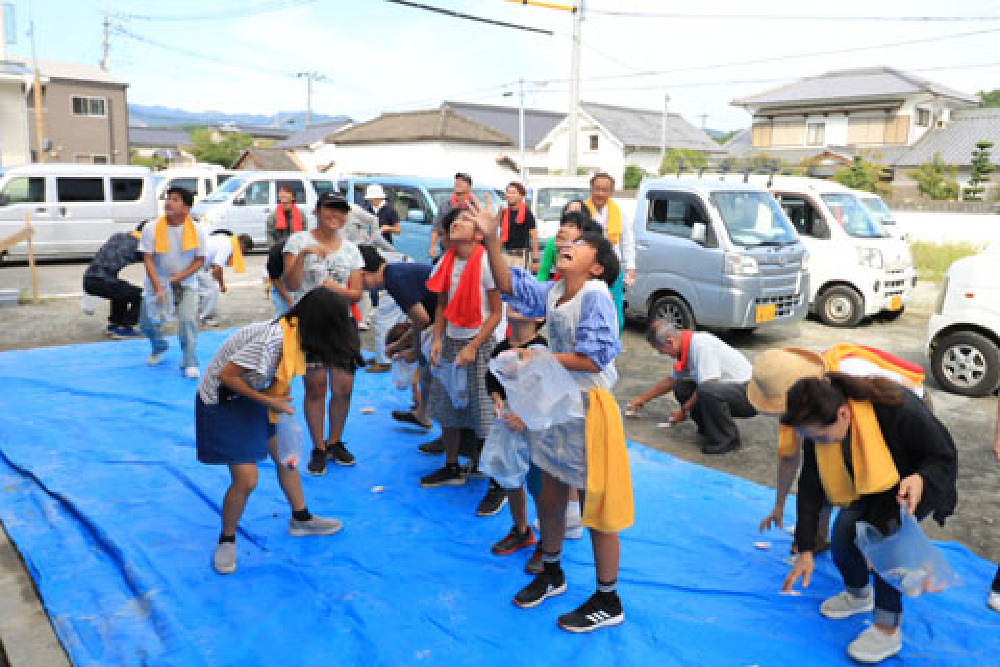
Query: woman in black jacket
(869, 447)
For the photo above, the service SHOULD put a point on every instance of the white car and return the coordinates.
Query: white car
(963, 334)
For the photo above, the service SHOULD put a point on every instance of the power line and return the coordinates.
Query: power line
(470, 17)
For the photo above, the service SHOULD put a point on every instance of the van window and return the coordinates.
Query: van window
(208, 186)
(753, 218)
(222, 178)
(853, 216)
(24, 189)
(804, 217)
(297, 188)
(126, 189)
(674, 213)
(322, 187)
(409, 199)
(71, 189)
(551, 201)
(257, 193)
(359, 195)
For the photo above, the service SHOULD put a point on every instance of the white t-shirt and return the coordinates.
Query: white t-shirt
(711, 359)
(337, 266)
(220, 248)
(861, 368)
(174, 260)
(486, 282)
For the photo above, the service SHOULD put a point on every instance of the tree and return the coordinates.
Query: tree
(692, 160)
(864, 174)
(723, 138)
(990, 99)
(936, 180)
(632, 177)
(225, 152)
(980, 172)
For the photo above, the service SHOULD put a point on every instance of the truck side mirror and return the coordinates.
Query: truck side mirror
(699, 232)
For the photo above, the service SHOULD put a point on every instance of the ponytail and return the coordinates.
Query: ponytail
(816, 401)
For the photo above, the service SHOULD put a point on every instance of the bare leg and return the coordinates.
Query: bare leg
(606, 551)
(552, 513)
(288, 479)
(235, 501)
(518, 512)
(341, 388)
(314, 404)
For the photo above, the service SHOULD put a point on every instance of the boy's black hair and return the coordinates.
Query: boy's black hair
(373, 259)
(186, 196)
(575, 218)
(606, 256)
(583, 208)
(326, 328)
(591, 227)
(450, 217)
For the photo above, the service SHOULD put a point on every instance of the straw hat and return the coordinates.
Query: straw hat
(775, 371)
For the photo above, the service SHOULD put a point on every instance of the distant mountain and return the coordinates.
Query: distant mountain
(715, 134)
(158, 116)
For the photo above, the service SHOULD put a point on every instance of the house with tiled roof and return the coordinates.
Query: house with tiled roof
(267, 159)
(314, 146)
(166, 144)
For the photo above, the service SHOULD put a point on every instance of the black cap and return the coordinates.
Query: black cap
(464, 176)
(333, 200)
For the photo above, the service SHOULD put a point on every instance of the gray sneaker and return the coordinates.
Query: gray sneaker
(844, 605)
(316, 525)
(874, 646)
(224, 560)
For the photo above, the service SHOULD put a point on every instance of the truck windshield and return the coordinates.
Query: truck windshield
(852, 215)
(878, 210)
(753, 218)
(225, 190)
(551, 201)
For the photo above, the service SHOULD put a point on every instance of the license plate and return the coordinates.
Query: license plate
(765, 313)
(896, 303)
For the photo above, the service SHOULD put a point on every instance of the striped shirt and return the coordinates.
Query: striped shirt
(256, 348)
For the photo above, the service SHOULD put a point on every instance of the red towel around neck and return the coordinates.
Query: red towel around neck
(280, 222)
(682, 360)
(465, 307)
(519, 220)
(455, 203)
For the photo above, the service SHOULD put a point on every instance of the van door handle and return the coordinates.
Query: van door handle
(41, 210)
(62, 211)
(644, 246)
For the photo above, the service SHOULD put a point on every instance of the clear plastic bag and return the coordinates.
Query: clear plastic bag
(906, 559)
(291, 440)
(402, 372)
(539, 389)
(505, 455)
(455, 380)
(88, 303)
(156, 313)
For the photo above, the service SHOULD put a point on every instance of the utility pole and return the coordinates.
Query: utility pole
(310, 77)
(520, 130)
(704, 119)
(107, 39)
(36, 89)
(663, 130)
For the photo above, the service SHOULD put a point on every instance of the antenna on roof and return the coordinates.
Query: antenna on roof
(701, 170)
(680, 166)
(772, 168)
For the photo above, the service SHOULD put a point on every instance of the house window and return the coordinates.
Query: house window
(89, 106)
(815, 134)
(593, 142)
(923, 117)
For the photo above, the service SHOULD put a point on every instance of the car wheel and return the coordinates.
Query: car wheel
(966, 363)
(673, 309)
(840, 306)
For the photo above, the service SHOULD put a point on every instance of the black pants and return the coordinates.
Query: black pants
(718, 403)
(124, 296)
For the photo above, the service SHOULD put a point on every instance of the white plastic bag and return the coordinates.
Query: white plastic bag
(156, 313)
(906, 559)
(539, 389)
(402, 372)
(291, 439)
(505, 455)
(455, 380)
(88, 303)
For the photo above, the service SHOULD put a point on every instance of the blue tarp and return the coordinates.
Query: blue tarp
(117, 521)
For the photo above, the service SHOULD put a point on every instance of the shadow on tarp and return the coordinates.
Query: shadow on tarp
(117, 521)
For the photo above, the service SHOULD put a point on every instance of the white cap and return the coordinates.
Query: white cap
(374, 191)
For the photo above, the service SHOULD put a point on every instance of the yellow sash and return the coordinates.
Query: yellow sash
(607, 506)
(614, 230)
(291, 363)
(236, 257)
(874, 470)
(161, 240)
(135, 235)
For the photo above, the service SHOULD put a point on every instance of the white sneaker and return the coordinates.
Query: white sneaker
(873, 645)
(572, 532)
(209, 322)
(155, 358)
(316, 525)
(844, 605)
(192, 372)
(224, 560)
(993, 601)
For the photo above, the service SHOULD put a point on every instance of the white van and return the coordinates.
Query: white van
(715, 254)
(878, 210)
(963, 334)
(548, 195)
(200, 181)
(242, 204)
(856, 268)
(73, 208)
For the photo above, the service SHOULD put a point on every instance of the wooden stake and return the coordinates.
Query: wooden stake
(31, 260)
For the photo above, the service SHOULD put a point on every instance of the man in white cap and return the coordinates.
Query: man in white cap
(388, 218)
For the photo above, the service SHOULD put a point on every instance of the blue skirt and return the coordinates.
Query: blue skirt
(231, 431)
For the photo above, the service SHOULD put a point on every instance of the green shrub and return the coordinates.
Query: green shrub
(931, 260)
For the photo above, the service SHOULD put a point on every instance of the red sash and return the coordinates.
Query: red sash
(465, 307)
(682, 360)
(280, 222)
(519, 220)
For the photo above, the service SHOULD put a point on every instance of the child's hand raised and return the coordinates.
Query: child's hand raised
(482, 215)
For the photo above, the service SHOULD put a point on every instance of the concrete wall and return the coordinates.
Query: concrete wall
(14, 148)
(74, 138)
(944, 227)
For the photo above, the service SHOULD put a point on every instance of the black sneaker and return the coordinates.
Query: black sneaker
(536, 563)
(338, 453)
(493, 501)
(541, 587)
(513, 541)
(602, 609)
(435, 446)
(450, 475)
(317, 462)
(473, 472)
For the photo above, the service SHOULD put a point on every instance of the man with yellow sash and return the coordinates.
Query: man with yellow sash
(224, 249)
(173, 250)
(875, 450)
(617, 226)
(774, 371)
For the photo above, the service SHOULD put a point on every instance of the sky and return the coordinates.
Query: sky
(377, 56)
